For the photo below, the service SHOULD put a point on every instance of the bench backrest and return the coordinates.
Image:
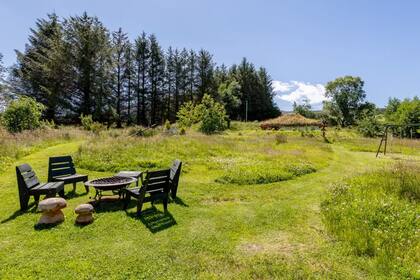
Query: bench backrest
(157, 180)
(175, 172)
(60, 166)
(26, 177)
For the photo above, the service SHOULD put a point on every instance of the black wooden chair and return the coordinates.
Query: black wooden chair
(155, 186)
(28, 184)
(61, 169)
(174, 177)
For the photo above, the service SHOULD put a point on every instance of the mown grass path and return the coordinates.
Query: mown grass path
(213, 231)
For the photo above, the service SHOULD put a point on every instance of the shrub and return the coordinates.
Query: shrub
(140, 131)
(167, 125)
(369, 126)
(210, 114)
(86, 121)
(89, 125)
(188, 115)
(23, 114)
(281, 138)
(213, 115)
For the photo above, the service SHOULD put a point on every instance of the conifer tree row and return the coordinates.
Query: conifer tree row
(77, 66)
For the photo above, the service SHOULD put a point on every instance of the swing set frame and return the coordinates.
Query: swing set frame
(384, 139)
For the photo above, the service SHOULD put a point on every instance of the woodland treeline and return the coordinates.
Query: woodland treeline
(76, 66)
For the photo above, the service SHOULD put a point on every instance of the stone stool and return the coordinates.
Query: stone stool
(51, 210)
(84, 212)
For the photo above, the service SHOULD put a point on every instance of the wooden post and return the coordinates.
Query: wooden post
(386, 139)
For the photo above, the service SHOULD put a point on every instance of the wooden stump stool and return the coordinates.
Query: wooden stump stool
(51, 210)
(84, 212)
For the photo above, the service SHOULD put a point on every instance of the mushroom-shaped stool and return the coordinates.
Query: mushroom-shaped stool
(84, 212)
(51, 210)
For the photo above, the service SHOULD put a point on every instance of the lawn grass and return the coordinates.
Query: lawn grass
(228, 230)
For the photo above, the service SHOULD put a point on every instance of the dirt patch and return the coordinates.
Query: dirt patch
(275, 243)
(222, 200)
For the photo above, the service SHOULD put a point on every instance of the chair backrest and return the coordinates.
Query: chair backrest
(157, 180)
(175, 172)
(60, 166)
(26, 177)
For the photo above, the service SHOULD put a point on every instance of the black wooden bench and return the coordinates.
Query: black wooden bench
(154, 186)
(28, 184)
(61, 169)
(174, 177)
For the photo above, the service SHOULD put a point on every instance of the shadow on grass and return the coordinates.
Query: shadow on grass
(154, 219)
(32, 208)
(45, 226)
(73, 194)
(109, 204)
(179, 201)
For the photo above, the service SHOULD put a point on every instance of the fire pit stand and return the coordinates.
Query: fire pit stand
(116, 184)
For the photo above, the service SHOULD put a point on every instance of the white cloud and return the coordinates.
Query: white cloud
(280, 86)
(296, 91)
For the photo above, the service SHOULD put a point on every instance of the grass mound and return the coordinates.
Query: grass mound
(376, 216)
(252, 157)
(264, 172)
(289, 120)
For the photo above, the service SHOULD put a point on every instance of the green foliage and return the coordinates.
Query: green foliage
(210, 115)
(370, 126)
(90, 125)
(23, 114)
(404, 112)
(86, 122)
(230, 94)
(213, 116)
(304, 109)
(391, 109)
(347, 96)
(376, 215)
(167, 125)
(140, 131)
(188, 115)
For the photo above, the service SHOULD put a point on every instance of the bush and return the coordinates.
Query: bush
(281, 138)
(86, 121)
(23, 114)
(210, 114)
(140, 131)
(167, 125)
(369, 126)
(213, 115)
(89, 125)
(188, 115)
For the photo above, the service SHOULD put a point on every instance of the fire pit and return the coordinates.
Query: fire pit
(116, 184)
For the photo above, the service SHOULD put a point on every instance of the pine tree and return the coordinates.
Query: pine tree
(191, 74)
(142, 62)
(205, 71)
(41, 69)
(169, 80)
(129, 74)
(155, 74)
(87, 43)
(120, 44)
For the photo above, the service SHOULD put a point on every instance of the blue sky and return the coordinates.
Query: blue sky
(303, 44)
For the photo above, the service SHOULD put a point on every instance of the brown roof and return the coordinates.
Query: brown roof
(288, 121)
